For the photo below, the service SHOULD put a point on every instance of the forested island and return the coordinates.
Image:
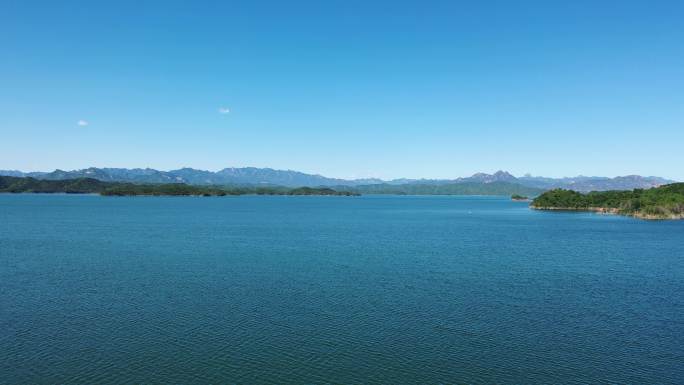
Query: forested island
(10, 184)
(664, 202)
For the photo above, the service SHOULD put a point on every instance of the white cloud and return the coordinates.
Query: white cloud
(82, 123)
(224, 110)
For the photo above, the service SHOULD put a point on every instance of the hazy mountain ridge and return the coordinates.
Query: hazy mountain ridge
(462, 188)
(595, 183)
(237, 176)
(290, 178)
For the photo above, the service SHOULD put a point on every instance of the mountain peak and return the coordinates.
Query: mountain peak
(503, 174)
(499, 176)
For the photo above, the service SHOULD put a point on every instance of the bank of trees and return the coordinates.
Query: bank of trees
(663, 201)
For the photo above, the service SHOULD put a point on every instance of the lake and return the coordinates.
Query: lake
(303, 290)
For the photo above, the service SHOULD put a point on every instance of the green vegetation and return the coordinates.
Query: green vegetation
(72, 186)
(318, 191)
(10, 184)
(171, 189)
(178, 189)
(517, 197)
(664, 202)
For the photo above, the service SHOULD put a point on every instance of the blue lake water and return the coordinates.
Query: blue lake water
(372, 289)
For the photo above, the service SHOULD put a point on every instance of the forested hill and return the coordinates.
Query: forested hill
(77, 186)
(664, 202)
(10, 184)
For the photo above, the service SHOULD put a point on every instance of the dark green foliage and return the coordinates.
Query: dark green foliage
(318, 191)
(664, 201)
(175, 189)
(87, 185)
(517, 197)
(75, 186)
(560, 198)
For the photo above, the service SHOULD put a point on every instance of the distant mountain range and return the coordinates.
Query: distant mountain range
(227, 176)
(289, 178)
(463, 188)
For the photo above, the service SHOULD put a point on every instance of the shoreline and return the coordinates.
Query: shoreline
(611, 211)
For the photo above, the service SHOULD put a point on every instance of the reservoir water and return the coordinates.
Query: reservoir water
(305, 290)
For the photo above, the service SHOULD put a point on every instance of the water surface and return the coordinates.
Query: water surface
(372, 289)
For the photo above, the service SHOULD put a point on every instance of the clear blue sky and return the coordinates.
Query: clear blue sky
(345, 88)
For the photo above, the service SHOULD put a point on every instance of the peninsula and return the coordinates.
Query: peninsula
(519, 198)
(664, 202)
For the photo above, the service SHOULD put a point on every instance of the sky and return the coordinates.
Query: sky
(351, 89)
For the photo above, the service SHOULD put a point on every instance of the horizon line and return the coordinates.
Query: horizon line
(352, 178)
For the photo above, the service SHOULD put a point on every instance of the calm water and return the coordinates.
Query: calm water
(334, 290)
